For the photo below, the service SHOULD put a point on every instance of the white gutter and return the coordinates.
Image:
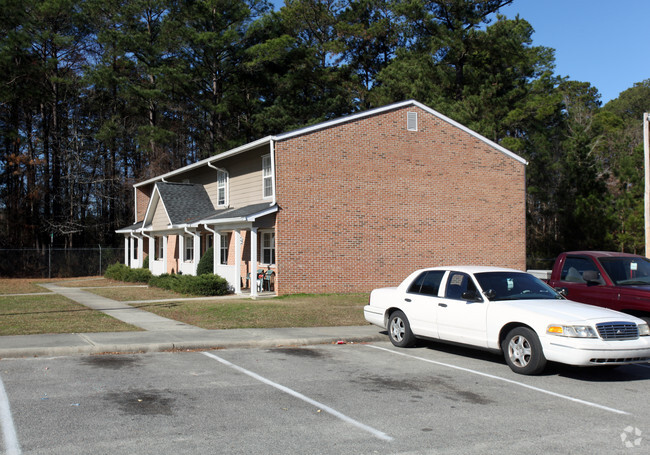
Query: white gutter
(221, 156)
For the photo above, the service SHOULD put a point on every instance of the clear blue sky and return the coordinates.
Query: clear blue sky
(605, 43)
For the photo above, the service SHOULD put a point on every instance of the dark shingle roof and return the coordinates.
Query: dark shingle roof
(184, 202)
(241, 212)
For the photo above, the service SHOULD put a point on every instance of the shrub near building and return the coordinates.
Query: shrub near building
(206, 284)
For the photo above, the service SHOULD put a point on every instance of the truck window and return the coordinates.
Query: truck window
(574, 267)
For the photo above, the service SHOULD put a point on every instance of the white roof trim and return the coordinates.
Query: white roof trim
(155, 196)
(328, 124)
(249, 218)
(390, 107)
(221, 156)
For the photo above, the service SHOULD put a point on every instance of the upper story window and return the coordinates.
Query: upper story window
(222, 187)
(267, 176)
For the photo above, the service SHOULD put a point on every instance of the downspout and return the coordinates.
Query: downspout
(273, 169)
(152, 246)
(196, 253)
(133, 249)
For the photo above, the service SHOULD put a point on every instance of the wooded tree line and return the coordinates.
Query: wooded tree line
(96, 95)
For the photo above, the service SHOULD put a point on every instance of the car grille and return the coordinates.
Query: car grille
(618, 330)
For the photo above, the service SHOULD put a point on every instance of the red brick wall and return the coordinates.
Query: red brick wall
(143, 195)
(365, 203)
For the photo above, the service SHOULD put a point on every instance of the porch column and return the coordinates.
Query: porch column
(253, 262)
(197, 251)
(164, 258)
(152, 250)
(126, 251)
(132, 262)
(216, 251)
(140, 251)
(238, 241)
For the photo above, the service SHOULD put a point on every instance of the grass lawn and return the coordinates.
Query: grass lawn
(23, 285)
(52, 313)
(289, 311)
(27, 315)
(130, 292)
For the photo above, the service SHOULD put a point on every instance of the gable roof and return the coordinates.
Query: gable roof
(395, 106)
(268, 140)
(184, 202)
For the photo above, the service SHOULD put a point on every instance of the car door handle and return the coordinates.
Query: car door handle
(407, 300)
(444, 305)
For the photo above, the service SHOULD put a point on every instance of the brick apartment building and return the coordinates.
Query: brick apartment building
(342, 206)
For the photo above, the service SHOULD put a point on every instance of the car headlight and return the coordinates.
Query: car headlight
(644, 330)
(573, 331)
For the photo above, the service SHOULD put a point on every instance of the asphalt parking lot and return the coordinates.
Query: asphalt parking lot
(321, 399)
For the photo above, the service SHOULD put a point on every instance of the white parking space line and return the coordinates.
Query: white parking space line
(8, 431)
(510, 381)
(376, 433)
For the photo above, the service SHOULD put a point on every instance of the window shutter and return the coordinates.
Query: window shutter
(412, 121)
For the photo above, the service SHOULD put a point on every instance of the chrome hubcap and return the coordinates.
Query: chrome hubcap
(397, 329)
(519, 351)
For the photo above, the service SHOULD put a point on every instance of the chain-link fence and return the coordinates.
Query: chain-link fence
(57, 262)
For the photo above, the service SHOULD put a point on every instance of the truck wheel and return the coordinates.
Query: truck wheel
(523, 351)
(399, 330)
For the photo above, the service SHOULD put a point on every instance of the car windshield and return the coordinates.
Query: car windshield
(514, 286)
(627, 270)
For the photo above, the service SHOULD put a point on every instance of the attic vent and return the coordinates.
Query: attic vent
(412, 121)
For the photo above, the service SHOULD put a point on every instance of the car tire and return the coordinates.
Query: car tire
(399, 330)
(523, 351)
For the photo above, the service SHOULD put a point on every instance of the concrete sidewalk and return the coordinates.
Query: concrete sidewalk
(162, 334)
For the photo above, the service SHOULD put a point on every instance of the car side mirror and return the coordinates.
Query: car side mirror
(471, 296)
(562, 291)
(490, 294)
(591, 277)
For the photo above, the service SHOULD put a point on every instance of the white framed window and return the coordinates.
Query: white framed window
(159, 250)
(223, 253)
(268, 248)
(222, 188)
(188, 242)
(267, 176)
(135, 248)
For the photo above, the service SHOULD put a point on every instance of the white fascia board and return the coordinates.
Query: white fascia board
(390, 107)
(239, 219)
(470, 132)
(221, 156)
(155, 196)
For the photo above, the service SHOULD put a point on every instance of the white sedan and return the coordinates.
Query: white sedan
(508, 311)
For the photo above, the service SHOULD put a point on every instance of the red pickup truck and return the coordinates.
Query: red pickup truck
(619, 281)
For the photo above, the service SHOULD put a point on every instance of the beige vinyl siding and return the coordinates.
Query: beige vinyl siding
(160, 219)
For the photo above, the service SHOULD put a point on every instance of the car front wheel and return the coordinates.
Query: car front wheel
(523, 351)
(399, 330)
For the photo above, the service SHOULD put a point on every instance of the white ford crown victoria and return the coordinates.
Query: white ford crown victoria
(509, 311)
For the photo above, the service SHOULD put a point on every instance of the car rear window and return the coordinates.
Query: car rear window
(427, 283)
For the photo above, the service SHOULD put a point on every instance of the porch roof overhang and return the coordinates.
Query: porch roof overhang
(243, 216)
(246, 214)
(130, 229)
